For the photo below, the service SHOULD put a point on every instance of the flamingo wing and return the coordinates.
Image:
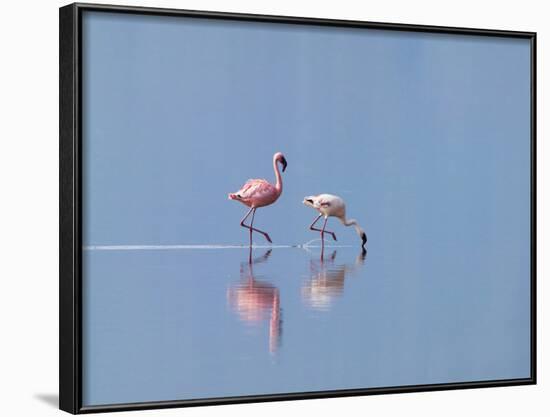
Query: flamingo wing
(321, 201)
(255, 188)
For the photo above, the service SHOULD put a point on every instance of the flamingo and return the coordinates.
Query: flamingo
(260, 193)
(329, 205)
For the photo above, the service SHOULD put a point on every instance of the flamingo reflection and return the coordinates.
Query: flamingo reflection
(327, 279)
(256, 301)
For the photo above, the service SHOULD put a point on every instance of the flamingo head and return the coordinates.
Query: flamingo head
(363, 239)
(279, 157)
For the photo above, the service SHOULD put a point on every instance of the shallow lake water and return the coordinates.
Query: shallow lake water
(183, 323)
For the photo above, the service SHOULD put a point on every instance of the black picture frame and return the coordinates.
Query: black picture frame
(70, 207)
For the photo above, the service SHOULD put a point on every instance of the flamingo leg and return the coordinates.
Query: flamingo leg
(248, 227)
(251, 228)
(319, 230)
(323, 229)
(323, 238)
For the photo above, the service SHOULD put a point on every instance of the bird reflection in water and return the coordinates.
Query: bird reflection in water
(257, 301)
(326, 281)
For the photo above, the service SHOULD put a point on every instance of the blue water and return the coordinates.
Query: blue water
(426, 137)
(164, 325)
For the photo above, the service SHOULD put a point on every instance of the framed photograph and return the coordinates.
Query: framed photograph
(259, 208)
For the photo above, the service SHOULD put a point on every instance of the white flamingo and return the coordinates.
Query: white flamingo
(329, 205)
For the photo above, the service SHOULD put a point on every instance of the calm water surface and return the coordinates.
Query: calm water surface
(181, 324)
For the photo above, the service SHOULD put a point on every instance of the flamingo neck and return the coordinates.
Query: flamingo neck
(353, 222)
(279, 183)
(349, 222)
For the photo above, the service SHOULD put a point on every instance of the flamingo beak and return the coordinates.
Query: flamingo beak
(284, 163)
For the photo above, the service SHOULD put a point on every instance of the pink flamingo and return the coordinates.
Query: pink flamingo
(260, 193)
